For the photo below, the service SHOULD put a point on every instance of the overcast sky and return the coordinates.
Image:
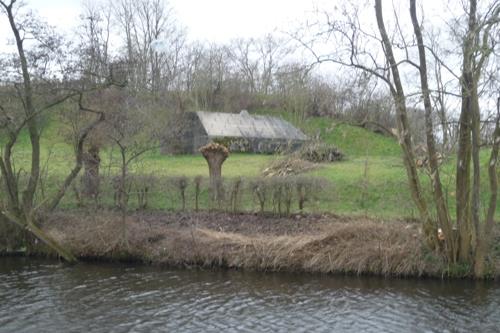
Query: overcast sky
(214, 20)
(222, 20)
(219, 20)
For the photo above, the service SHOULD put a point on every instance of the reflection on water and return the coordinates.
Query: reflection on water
(44, 296)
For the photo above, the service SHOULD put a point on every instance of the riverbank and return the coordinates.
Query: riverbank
(310, 243)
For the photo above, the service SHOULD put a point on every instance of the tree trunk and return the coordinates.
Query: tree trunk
(90, 178)
(122, 184)
(28, 223)
(404, 133)
(443, 215)
(483, 242)
(215, 154)
(31, 118)
(476, 166)
(53, 244)
(464, 155)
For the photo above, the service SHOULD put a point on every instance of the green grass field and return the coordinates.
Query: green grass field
(371, 181)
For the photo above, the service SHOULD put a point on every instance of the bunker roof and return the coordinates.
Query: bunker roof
(218, 124)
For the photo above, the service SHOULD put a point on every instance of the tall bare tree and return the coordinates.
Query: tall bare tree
(469, 244)
(31, 73)
(148, 27)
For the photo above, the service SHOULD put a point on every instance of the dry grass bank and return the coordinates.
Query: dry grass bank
(323, 244)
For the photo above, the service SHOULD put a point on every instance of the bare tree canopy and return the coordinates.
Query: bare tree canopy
(43, 78)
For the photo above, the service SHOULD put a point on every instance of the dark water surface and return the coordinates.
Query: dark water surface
(45, 296)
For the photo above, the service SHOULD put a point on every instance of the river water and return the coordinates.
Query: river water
(46, 296)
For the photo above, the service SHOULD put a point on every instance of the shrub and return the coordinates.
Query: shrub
(235, 196)
(282, 191)
(142, 185)
(197, 189)
(306, 188)
(260, 188)
(180, 184)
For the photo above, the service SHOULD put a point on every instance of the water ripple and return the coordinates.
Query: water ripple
(47, 297)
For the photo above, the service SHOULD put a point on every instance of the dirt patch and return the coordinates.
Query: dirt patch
(249, 224)
(243, 223)
(312, 243)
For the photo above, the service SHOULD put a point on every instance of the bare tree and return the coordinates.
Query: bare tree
(404, 132)
(208, 77)
(443, 215)
(477, 48)
(37, 92)
(148, 26)
(242, 53)
(133, 130)
(470, 243)
(94, 46)
(294, 86)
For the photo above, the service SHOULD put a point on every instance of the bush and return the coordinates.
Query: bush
(319, 152)
(279, 193)
(276, 195)
(235, 196)
(180, 183)
(198, 180)
(260, 189)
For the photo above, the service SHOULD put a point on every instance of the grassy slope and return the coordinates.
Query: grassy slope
(371, 181)
(384, 190)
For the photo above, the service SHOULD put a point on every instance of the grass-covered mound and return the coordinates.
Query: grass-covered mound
(369, 181)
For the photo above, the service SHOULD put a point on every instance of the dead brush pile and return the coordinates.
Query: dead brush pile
(355, 247)
(291, 165)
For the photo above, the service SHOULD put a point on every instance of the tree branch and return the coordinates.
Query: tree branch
(78, 155)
